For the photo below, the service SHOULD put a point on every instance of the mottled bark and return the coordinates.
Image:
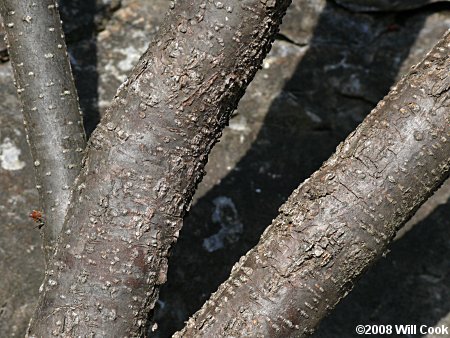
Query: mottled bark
(49, 103)
(384, 5)
(342, 218)
(144, 162)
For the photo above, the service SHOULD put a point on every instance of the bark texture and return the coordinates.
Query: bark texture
(49, 102)
(143, 164)
(384, 5)
(342, 218)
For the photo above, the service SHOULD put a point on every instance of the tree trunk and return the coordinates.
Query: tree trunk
(49, 102)
(341, 219)
(143, 164)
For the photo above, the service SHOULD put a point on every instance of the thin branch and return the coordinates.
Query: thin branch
(143, 164)
(340, 220)
(49, 102)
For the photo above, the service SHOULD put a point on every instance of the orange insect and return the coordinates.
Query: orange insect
(37, 216)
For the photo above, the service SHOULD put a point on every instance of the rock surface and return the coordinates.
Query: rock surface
(21, 257)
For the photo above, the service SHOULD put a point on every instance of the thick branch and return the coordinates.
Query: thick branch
(49, 102)
(341, 219)
(144, 162)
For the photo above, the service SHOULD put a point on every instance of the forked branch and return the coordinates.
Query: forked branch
(144, 162)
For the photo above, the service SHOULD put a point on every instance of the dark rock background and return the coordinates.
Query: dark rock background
(329, 66)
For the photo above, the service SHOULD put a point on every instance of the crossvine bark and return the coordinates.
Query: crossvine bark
(143, 163)
(342, 218)
(49, 101)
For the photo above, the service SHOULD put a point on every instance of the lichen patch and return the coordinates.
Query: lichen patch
(10, 156)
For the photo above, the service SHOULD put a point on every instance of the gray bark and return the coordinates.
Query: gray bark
(49, 102)
(143, 164)
(342, 218)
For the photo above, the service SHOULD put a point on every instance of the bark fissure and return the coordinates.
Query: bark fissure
(343, 217)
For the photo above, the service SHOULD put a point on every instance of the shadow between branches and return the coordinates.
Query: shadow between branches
(351, 62)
